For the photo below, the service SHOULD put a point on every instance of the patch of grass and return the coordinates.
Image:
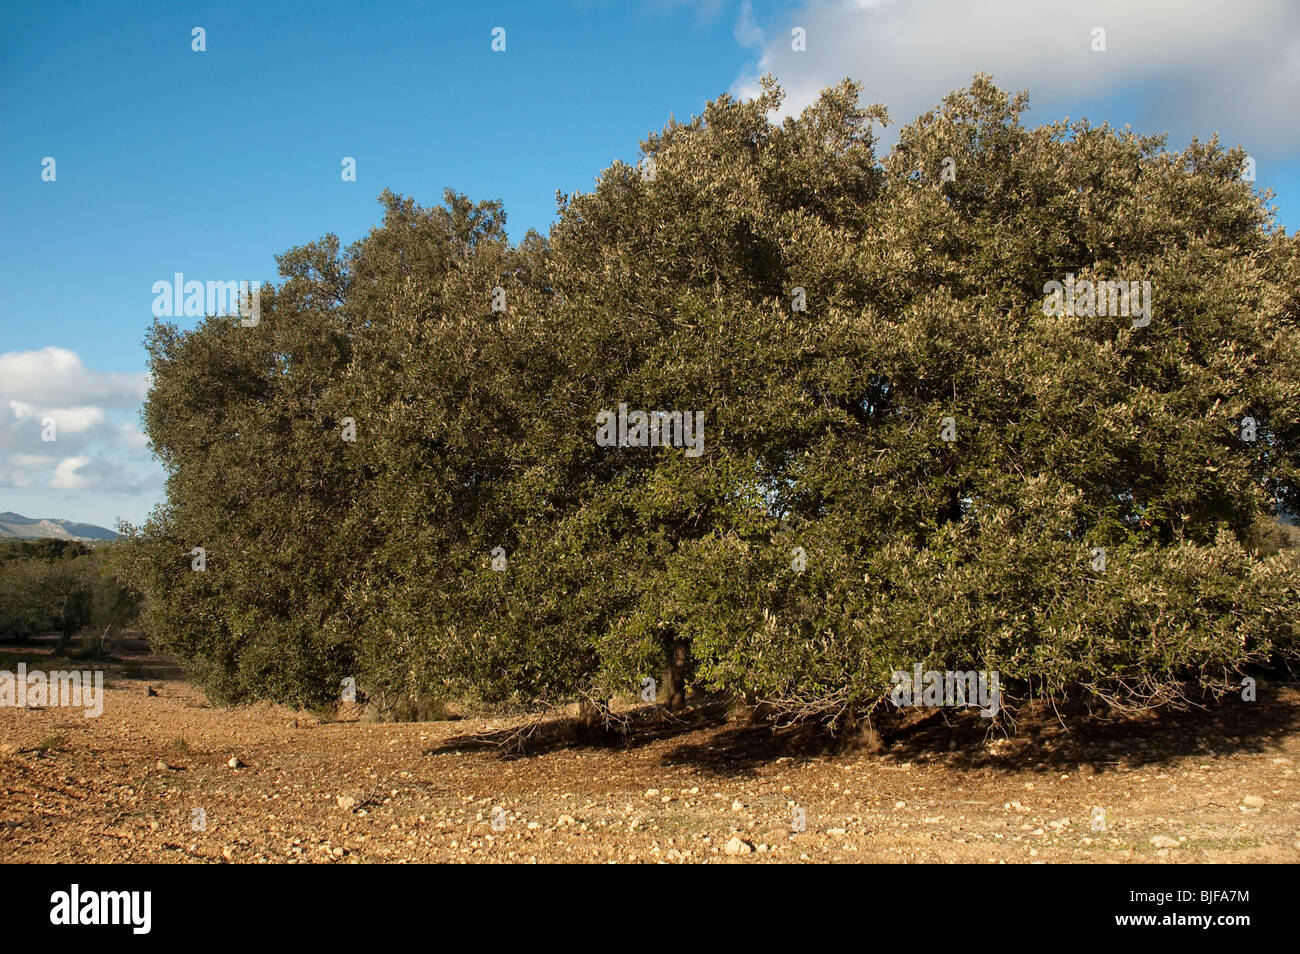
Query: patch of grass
(178, 746)
(51, 743)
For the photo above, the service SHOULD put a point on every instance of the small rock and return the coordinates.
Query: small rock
(227, 853)
(1253, 801)
(150, 691)
(163, 766)
(1164, 841)
(737, 847)
(346, 802)
(737, 805)
(565, 820)
(234, 762)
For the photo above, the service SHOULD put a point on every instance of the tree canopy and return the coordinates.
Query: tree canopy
(908, 456)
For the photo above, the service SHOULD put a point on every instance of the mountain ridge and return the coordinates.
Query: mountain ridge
(14, 526)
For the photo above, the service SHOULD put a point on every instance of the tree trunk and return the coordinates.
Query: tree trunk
(62, 644)
(858, 734)
(64, 635)
(679, 659)
(591, 718)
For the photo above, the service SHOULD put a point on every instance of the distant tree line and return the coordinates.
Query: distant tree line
(61, 586)
(907, 457)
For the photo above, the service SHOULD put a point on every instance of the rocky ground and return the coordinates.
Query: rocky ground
(162, 776)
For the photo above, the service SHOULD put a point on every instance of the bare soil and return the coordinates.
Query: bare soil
(151, 780)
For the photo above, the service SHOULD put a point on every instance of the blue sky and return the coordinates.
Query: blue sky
(211, 163)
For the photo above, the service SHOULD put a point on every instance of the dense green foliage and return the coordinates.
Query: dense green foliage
(828, 534)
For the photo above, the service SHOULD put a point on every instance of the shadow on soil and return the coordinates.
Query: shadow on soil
(721, 739)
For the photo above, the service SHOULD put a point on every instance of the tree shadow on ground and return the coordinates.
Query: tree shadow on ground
(719, 738)
(630, 729)
(1048, 738)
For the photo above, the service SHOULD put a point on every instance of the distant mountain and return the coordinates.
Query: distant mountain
(16, 526)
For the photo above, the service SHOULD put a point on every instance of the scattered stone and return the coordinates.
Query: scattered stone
(738, 847)
(234, 762)
(346, 802)
(1164, 841)
(1253, 801)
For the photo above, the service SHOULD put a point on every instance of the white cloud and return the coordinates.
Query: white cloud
(1185, 66)
(94, 450)
(66, 476)
(94, 473)
(54, 377)
(67, 420)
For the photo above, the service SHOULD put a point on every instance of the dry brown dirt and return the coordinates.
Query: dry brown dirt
(1208, 786)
